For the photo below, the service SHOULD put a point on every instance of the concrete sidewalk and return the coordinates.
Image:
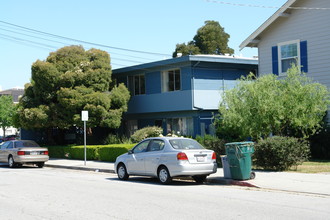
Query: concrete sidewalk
(285, 181)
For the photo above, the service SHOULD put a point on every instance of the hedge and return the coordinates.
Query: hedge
(280, 153)
(107, 153)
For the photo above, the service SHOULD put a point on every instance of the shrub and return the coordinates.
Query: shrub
(146, 132)
(280, 153)
(58, 151)
(320, 147)
(213, 143)
(93, 152)
(77, 152)
(111, 139)
(110, 153)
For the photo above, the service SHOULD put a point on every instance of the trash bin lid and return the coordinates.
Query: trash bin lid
(240, 143)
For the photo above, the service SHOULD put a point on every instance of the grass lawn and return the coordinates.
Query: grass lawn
(313, 166)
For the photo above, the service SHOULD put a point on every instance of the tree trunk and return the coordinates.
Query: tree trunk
(4, 132)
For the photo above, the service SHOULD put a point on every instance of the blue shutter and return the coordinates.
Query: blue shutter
(303, 56)
(275, 60)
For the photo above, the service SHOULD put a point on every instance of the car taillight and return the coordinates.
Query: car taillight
(214, 157)
(45, 152)
(20, 152)
(182, 156)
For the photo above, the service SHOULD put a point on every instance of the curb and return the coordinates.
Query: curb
(231, 182)
(80, 168)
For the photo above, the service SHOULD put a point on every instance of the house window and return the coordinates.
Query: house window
(288, 54)
(171, 80)
(180, 126)
(136, 84)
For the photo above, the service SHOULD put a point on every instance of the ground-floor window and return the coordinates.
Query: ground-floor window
(180, 126)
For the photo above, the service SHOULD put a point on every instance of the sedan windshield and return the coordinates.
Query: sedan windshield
(185, 144)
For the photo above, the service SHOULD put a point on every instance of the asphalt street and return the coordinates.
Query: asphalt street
(52, 193)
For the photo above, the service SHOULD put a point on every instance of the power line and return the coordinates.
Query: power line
(262, 6)
(15, 32)
(27, 41)
(35, 45)
(28, 35)
(83, 42)
(24, 40)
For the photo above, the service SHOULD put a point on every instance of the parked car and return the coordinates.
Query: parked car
(19, 152)
(165, 158)
(10, 138)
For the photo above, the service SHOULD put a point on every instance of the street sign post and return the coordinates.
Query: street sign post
(84, 118)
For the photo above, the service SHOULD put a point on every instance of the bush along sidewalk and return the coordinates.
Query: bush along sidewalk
(280, 153)
(106, 153)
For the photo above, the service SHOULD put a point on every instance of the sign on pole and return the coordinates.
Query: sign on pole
(84, 118)
(84, 115)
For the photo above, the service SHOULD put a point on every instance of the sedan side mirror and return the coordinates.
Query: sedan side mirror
(130, 152)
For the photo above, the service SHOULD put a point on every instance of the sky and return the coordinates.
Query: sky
(131, 31)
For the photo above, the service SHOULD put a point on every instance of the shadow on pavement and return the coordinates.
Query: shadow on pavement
(154, 181)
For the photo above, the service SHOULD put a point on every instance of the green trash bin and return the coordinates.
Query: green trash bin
(239, 159)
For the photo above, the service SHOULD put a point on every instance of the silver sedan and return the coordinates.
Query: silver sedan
(19, 152)
(165, 158)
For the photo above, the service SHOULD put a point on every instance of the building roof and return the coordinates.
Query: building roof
(254, 38)
(16, 93)
(191, 58)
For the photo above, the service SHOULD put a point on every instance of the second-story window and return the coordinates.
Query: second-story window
(171, 80)
(136, 85)
(288, 54)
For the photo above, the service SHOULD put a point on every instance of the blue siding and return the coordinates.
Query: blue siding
(211, 84)
(186, 78)
(162, 102)
(153, 82)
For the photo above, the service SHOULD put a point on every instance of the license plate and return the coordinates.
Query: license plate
(200, 159)
(34, 153)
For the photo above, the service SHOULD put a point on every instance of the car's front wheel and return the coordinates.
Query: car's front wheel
(164, 175)
(11, 162)
(122, 172)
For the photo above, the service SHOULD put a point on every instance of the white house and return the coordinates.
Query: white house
(297, 32)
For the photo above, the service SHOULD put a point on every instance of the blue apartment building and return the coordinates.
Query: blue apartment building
(182, 94)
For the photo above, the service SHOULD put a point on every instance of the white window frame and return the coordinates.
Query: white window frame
(279, 45)
(165, 80)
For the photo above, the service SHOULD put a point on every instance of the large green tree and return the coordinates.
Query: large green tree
(68, 81)
(7, 109)
(209, 39)
(290, 106)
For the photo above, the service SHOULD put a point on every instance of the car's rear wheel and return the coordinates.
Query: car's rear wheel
(199, 178)
(41, 164)
(164, 175)
(122, 172)
(11, 162)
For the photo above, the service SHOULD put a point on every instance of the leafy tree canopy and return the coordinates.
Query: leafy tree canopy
(290, 106)
(68, 81)
(209, 39)
(7, 109)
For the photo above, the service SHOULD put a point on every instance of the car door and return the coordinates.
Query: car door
(4, 151)
(3, 148)
(135, 160)
(153, 155)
